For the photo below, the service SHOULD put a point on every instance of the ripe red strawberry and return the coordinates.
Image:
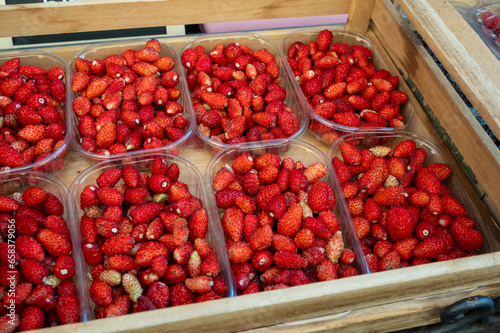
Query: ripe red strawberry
(291, 221)
(289, 260)
(350, 153)
(405, 248)
(29, 248)
(261, 238)
(430, 248)
(8, 204)
(326, 271)
(390, 261)
(405, 148)
(398, 224)
(10, 157)
(68, 309)
(31, 318)
(159, 295)
(232, 223)
(180, 295)
(466, 238)
(427, 181)
(452, 207)
(100, 293)
(55, 244)
(109, 178)
(34, 271)
(391, 196)
(110, 196)
(240, 252)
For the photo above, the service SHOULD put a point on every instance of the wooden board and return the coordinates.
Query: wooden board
(372, 295)
(472, 65)
(464, 136)
(95, 15)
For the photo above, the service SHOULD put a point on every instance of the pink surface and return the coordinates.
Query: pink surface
(273, 23)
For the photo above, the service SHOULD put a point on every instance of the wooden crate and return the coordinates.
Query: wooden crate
(381, 301)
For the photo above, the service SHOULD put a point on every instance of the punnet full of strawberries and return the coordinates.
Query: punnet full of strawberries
(37, 269)
(402, 210)
(491, 21)
(279, 221)
(236, 94)
(145, 237)
(342, 85)
(128, 101)
(32, 114)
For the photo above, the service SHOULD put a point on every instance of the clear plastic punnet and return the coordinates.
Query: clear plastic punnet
(299, 151)
(143, 161)
(434, 155)
(53, 163)
(484, 18)
(101, 51)
(16, 183)
(318, 125)
(255, 42)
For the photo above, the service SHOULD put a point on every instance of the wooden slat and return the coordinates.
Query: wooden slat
(385, 318)
(308, 301)
(455, 122)
(465, 56)
(359, 15)
(96, 15)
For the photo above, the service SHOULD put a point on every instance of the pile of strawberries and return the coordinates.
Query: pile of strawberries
(279, 223)
(343, 86)
(491, 21)
(36, 266)
(128, 102)
(402, 210)
(32, 115)
(236, 94)
(145, 237)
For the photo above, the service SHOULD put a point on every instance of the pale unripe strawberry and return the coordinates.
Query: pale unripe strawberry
(132, 286)
(111, 277)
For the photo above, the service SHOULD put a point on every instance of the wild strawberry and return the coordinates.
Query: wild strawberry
(180, 295)
(404, 148)
(100, 293)
(390, 261)
(31, 318)
(350, 153)
(11, 66)
(427, 181)
(145, 213)
(291, 221)
(185, 207)
(466, 238)
(451, 206)
(68, 309)
(430, 248)
(391, 196)
(232, 223)
(64, 268)
(55, 244)
(34, 271)
(240, 252)
(132, 286)
(10, 157)
(92, 254)
(88, 197)
(159, 295)
(398, 224)
(289, 260)
(324, 40)
(381, 248)
(326, 271)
